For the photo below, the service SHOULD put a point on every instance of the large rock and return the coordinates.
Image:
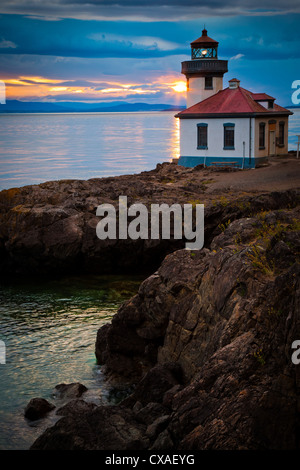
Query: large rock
(104, 428)
(37, 408)
(69, 391)
(51, 227)
(207, 342)
(228, 316)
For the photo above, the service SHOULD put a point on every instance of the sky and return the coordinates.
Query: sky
(104, 51)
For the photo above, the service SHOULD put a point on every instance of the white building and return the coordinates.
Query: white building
(230, 126)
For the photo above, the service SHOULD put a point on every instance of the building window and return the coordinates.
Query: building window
(281, 133)
(270, 104)
(202, 136)
(262, 128)
(229, 136)
(208, 83)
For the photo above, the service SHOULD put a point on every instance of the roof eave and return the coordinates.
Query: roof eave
(242, 115)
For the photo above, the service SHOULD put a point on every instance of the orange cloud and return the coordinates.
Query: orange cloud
(36, 87)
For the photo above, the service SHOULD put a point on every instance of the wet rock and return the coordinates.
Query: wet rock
(101, 343)
(104, 428)
(68, 391)
(37, 408)
(75, 406)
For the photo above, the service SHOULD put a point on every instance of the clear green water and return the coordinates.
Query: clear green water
(49, 329)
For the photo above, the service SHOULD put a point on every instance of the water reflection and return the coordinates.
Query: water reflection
(294, 128)
(49, 330)
(37, 148)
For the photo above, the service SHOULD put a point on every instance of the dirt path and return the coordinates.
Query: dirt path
(279, 175)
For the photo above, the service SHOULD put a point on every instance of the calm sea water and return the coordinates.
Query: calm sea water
(40, 147)
(49, 329)
(294, 128)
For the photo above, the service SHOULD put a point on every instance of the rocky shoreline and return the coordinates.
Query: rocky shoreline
(206, 343)
(50, 229)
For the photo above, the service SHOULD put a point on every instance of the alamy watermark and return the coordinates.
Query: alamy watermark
(2, 352)
(133, 222)
(2, 93)
(296, 93)
(296, 354)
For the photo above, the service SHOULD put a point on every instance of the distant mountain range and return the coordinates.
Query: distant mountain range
(15, 106)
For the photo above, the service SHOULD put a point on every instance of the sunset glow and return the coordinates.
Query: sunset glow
(179, 87)
(110, 57)
(43, 88)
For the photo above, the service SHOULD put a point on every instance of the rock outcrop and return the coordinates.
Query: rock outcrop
(50, 228)
(207, 342)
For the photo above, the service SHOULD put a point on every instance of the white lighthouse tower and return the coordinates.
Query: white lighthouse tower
(204, 72)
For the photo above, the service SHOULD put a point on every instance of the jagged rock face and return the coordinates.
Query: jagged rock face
(207, 341)
(228, 316)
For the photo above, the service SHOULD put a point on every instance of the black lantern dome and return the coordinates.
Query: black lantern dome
(204, 47)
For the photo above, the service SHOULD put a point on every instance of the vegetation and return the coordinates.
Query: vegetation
(257, 256)
(259, 356)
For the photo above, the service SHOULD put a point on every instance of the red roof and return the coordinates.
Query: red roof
(230, 101)
(262, 97)
(203, 39)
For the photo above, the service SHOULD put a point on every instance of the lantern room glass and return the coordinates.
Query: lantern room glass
(204, 53)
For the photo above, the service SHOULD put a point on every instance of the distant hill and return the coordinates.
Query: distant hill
(15, 106)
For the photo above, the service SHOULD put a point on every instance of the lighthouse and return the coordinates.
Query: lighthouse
(204, 72)
(232, 126)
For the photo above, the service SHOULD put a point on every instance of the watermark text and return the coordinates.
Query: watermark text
(296, 93)
(296, 354)
(2, 352)
(136, 221)
(2, 93)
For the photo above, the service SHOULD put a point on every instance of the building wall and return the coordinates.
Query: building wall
(215, 140)
(196, 89)
(279, 150)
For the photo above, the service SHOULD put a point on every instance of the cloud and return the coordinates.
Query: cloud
(137, 42)
(143, 10)
(4, 44)
(237, 57)
(73, 38)
(43, 18)
(262, 46)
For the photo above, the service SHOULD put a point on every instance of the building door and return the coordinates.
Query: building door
(272, 143)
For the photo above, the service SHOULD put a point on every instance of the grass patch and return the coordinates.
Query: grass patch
(258, 258)
(223, 227)
(259, 357)
(222, 200)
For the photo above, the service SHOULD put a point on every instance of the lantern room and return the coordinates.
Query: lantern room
(204, 72)
(204, 47)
